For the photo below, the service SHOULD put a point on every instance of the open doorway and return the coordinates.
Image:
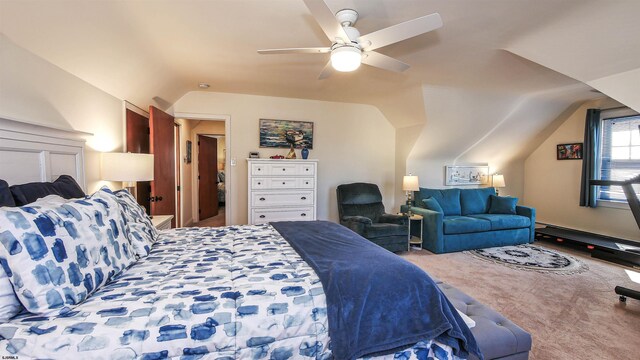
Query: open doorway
(204, 181)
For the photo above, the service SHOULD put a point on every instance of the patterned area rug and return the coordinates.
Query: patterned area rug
(533, 258)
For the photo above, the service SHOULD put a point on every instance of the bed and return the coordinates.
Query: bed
(271, 291)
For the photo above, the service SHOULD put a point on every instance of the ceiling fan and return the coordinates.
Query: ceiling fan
(348, 49)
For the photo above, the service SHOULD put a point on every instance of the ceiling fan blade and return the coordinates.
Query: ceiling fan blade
(313, 50)
(327, 20)
(383, 62)
(399, 32)
(326, 72)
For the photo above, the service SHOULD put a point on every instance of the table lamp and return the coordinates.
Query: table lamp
(409, 185)
(128, 168)
(497, 180)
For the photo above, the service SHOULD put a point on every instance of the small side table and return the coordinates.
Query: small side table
(414, 240)
(162, 222)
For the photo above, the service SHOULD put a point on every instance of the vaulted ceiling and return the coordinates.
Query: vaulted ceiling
(153, 52)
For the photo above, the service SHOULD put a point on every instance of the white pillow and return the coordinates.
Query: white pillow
(10, 306)
(58, 254)
(142, 233)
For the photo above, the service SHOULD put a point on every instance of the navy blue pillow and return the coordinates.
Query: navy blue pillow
(64, 186)
(432, 204)
(5, 195)
(503, 205)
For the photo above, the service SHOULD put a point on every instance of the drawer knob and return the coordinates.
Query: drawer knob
(303, 198)
(262, 216)
(303, 214)
(259, 169)
(283, 169)
(283, 183)
(259, 183)
(307, 169)
(262, 199)
(306, 183)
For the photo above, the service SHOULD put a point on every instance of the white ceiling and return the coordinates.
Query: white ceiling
(153, 52)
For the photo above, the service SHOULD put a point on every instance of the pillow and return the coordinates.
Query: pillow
(503, 205)
(64, 186)
(10, 306)
(142, 233)
(432, 204)
(6, 199)
(56, 255)
(448, 199)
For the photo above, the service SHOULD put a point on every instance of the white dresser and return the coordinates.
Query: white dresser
(281, 190)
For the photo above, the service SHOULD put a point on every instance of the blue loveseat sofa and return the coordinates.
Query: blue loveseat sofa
(464, 219)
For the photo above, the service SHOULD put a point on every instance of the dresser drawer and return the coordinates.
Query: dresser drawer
(283, 169)
(279, 183)
(259, 216)
(260, 169)
(282, 198)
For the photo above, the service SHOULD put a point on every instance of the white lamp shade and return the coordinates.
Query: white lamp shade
(498, 181)
(410, 183)
(128, 167)
(346, 58)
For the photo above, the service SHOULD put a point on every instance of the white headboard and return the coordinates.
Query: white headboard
(34, 153)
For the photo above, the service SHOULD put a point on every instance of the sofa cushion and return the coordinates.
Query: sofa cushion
(503, 205)
(464, 224)
(432, 204)
(385, 229)
(504, 221)
(449, 199)
(475, 201)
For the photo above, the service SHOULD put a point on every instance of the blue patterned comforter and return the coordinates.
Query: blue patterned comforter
(239, 292)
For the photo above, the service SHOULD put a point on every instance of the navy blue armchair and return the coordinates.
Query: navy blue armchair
(360, 209)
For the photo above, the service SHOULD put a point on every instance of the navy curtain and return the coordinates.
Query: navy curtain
(591, 154)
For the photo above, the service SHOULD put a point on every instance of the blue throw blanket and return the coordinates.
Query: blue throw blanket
(377, 302)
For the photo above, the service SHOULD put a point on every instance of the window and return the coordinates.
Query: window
(620, 153)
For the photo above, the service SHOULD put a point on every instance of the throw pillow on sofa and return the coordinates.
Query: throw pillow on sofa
(503, 205)
(432, 204)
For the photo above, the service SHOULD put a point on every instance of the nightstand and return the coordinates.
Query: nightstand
(162, 222)
(414, 240)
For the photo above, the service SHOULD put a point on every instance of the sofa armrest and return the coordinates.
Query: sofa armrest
(531, 214)
(432, 234)
(356, 223)
(393, 219)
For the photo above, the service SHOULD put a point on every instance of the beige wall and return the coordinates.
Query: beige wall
(352, 142)
(35, 91)
(553, 186)
(186, 171)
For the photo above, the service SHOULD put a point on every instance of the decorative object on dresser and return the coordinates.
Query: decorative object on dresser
(305, 153)
(128, 168)
(162, 222)
(360, 209)
(497, 180)
(284, 133)
(466, 175)
(281, 190)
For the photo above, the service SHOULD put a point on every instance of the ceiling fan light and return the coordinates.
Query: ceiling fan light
(346, 58)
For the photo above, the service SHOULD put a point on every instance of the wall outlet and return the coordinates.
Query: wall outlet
(233, 161)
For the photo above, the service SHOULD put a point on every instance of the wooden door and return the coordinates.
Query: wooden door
(163, 186)
(207, 177)
(138, 142)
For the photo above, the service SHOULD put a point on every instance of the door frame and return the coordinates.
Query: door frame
(228, 174)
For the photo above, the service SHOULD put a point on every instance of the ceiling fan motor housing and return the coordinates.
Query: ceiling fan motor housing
(347, 17)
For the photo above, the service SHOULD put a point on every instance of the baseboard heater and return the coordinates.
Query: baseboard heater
(620, 251)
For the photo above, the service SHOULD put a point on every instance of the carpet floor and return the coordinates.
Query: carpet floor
(569, 316)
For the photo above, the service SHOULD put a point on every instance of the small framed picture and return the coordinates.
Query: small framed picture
(569, 151)
(188, 151)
